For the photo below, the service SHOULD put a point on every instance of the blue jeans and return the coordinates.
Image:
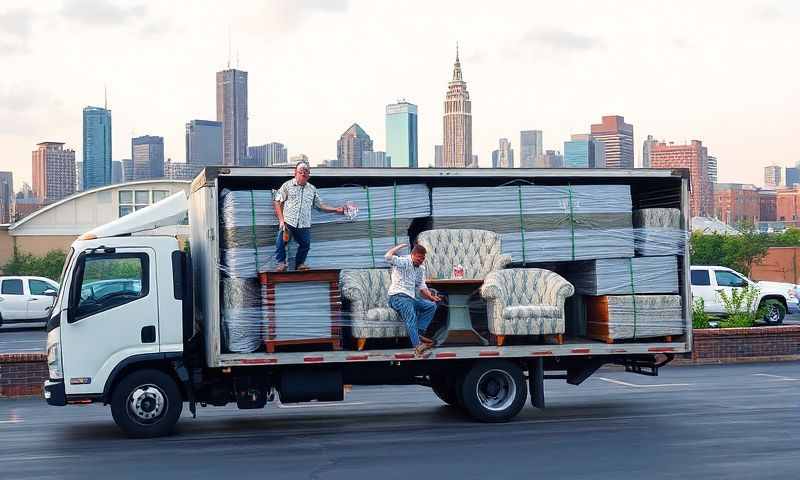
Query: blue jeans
(303, 238)
(416, 313)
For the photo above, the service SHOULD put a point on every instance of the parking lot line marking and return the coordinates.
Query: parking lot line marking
(776, 377)
(637, 385)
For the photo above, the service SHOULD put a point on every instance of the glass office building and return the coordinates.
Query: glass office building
(401, 134)
(96, 147)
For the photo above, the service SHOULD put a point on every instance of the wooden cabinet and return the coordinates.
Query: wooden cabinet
(302, 308)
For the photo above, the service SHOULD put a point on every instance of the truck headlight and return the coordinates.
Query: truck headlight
(54, 362)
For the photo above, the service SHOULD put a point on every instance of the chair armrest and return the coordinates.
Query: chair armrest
(493, 289)
(503, 261)
(562, 292)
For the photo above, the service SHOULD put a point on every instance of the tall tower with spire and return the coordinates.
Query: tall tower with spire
(457, 121)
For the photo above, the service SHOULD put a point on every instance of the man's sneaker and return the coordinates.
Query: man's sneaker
(303, 267)
(281, 267)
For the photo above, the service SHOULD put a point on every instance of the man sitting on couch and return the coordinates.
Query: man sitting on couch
(408, 277)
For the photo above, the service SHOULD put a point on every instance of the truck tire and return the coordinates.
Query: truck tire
(445, 388)
(146, 404)
(775, 312)
(494, 391)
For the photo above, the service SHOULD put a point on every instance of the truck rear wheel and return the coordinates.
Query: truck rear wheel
(146, 403)
(774, 312)
(494, 391)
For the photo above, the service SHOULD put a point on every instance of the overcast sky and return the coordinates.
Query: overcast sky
(724, 72)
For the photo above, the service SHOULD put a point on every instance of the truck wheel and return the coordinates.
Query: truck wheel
(445, 388)
(775, 312)
(146, 403)
(494, 391)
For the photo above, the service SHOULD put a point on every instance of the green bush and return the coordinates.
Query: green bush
(700, 318)
(739, 307)
(739, 252)
(48, 265)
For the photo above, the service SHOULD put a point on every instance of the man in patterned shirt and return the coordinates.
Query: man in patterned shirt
(408, 277)
(293, 202)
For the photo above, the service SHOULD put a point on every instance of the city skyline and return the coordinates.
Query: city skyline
(646, 88)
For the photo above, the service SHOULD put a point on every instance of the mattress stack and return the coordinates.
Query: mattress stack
(657, 231)
(559, 223)
(620, 276)
(627, 317)
(381, 219)
(242, 320)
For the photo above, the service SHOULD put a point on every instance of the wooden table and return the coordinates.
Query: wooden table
(459, 324)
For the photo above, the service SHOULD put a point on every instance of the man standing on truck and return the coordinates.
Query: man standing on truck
(408, 277)
(293, 203)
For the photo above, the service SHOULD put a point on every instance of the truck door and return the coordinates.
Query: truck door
(13, 302)
(702, 287)
(112, 315)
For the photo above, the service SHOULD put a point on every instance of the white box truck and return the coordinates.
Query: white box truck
(137, 322)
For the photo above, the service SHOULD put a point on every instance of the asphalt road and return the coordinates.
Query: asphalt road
(714, 422)
(25, 338)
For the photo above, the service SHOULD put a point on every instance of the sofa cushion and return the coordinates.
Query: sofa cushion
(382, 314)
(519, 312)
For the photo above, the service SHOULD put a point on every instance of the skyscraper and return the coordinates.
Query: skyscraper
(401, 134)
(617, 137)
(351, 146)
(457, 121)
(503, 157)
(300, 157)
(646, 146)
(695, 158)
(147, 153)
(96, 147)
(273, 153)
(438, 156)
(204, 142)
(6, 197)
(583, 151)
(773, 176)
(181, 170)
(232, 112)
(552, 159)
(792, 176)
(79, 176)
(712, 169)
(530, 148)
(375, 160)
(116, 172)
(53, 172)
(127, 170)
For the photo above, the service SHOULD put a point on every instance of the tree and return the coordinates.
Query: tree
(48, 265)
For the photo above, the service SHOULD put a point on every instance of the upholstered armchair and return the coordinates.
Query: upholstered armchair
(526, 301)
(371, 315)
(478, 251)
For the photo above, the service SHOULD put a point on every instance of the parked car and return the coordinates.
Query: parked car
(792, 293)
(709, 281)
(26, 299)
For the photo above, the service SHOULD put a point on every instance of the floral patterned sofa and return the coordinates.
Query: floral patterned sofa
(370, 313)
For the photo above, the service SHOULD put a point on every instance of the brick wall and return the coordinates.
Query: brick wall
(22, 374)
(730, 345)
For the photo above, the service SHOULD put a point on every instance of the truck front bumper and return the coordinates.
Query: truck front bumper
(54, 393)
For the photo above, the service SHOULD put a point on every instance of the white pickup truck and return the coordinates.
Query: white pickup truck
(26, 299)
(709, 281)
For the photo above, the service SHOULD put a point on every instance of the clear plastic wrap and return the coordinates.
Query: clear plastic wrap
(543, 223)
(242, 323)
(626, 317)
(379, 217)
(657, 231)
(620, 276)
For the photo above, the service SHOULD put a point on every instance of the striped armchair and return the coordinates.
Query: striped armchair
(526, 301)
(478, 251)
(370, 313)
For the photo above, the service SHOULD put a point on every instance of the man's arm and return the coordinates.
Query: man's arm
(424, 291)
(392, 252)
(278, 205)
(325, 208)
